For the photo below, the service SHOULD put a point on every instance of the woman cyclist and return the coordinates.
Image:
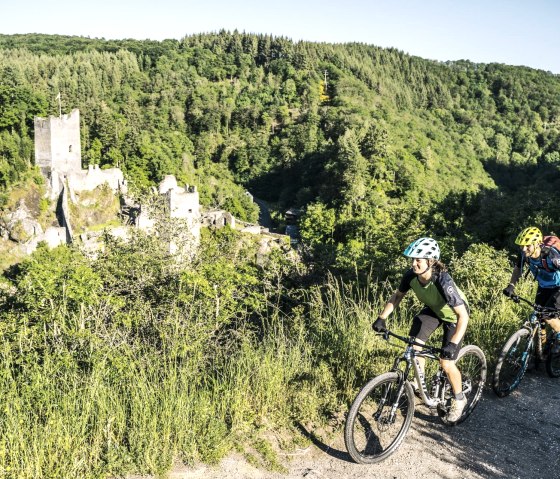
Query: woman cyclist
(445, 306)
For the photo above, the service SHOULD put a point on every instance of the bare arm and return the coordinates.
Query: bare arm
(392, 304)
(462, 321)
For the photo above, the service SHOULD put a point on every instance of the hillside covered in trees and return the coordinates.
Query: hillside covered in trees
(129, 361)
(378, 146)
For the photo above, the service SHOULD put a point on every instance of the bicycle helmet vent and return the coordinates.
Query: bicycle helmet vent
(426, 248)
(531, 235)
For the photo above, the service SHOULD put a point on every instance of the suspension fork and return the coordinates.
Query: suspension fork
(403, 374)
(536, 338)
(438, 387)
(533, 330)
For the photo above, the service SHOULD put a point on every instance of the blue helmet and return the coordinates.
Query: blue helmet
(426, 248)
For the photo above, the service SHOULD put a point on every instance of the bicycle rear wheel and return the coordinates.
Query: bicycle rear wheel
(553, 359)
(379, 419)
(512, 363)
(471, 362)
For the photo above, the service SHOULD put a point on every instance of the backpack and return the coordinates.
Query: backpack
(548, 243)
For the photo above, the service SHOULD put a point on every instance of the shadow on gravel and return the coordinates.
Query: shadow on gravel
(336, 453)
(514, 437)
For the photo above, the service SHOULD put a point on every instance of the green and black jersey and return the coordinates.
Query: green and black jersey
(440, 294)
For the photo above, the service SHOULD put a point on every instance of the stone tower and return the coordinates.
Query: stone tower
(57, 144)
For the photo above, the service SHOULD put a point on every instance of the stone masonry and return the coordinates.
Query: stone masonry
(58, 155)
(57, 143)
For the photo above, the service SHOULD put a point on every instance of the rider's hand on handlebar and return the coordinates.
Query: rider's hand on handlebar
(379, 325)
(509, 291)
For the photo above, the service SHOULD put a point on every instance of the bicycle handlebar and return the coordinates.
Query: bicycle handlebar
(412, 342)
(536, 307)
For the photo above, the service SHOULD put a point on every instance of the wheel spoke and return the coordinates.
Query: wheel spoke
(471, 362)
(553, 365)
(512, 363)
(378, 419)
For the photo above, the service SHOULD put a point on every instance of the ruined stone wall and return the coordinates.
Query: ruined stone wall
(42, 129)
(182, 203)
(57, 143)
(65, 214)
(186, 205)
(88, 180)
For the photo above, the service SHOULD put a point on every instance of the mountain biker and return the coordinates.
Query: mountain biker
(445, 305)
(544, 264)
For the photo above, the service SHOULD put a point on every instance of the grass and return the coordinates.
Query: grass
(95, 210)
(85, 395)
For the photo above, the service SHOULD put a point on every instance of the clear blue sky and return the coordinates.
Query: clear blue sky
(516, 32)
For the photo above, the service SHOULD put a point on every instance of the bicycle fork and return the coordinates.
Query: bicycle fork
(387, 394)
(534, 344)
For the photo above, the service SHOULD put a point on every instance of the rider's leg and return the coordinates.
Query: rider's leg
(453, 374)
(554, 323)
(423, 325)
(550, 297)
(448, 364)
(459, 400)
(421, 361)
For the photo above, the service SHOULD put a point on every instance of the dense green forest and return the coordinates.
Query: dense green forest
(129, 361)
(377, 145)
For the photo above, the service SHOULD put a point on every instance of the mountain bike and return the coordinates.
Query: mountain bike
(382, 412)
(523, 346)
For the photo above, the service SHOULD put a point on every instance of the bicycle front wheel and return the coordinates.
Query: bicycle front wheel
(471, 362)
(512, 363)
(379, 418)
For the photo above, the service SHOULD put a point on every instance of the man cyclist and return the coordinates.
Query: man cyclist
(445, 306)
(544, 264)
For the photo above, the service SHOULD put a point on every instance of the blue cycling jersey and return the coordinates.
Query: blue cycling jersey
(548, 277)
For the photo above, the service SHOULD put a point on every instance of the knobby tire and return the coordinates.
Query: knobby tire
(512, 363)
(370, 433)
(471, 362)
(553, 360)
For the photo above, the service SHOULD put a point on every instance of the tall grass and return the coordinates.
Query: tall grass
(137, 409)
(88, 391)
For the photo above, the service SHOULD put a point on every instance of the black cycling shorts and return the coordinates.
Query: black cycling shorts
(426, 322)
(549, 297)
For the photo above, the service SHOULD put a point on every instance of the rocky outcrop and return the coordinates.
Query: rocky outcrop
(19, 225)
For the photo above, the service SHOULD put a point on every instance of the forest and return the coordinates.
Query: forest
(128, 362)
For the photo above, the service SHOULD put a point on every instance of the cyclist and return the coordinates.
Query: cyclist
(445, 305)
(544, 264)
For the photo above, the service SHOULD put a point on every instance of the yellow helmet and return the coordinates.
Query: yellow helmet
(531, 235)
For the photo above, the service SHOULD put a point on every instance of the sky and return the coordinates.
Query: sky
(515, 32)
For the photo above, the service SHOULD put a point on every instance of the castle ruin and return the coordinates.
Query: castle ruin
(58, 154)
(181, 203)
(57, 144)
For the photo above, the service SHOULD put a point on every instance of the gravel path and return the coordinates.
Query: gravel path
(514, 437)
(517, 437)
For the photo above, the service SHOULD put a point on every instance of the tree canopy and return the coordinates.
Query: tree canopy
(391, 145)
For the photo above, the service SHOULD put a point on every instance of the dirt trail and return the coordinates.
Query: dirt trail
(514, 437)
